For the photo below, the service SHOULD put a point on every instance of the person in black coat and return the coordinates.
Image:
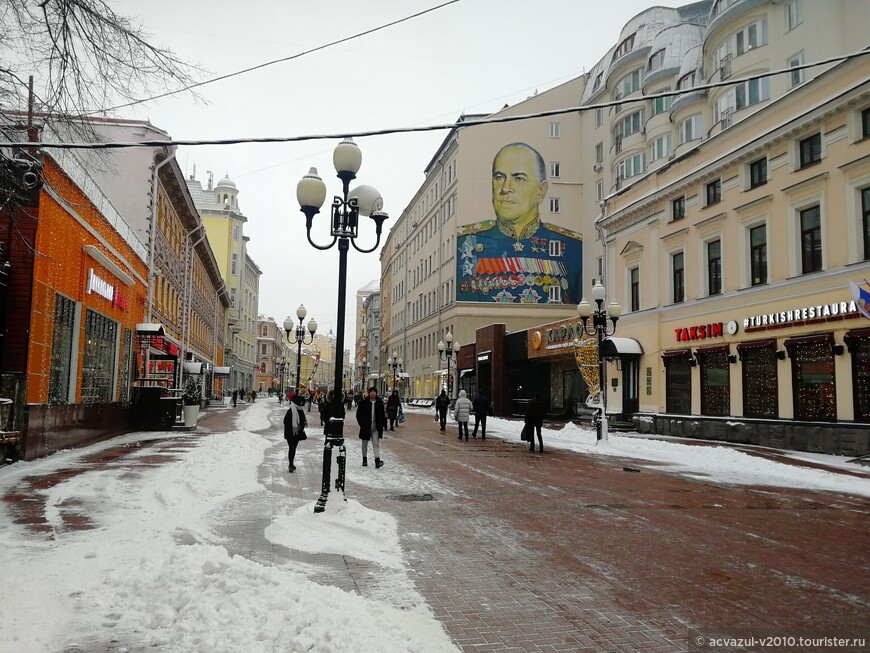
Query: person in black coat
(394, 405)
(294, 428)
(442, 405)
(535, 420)
(372, 419)
(481, 406)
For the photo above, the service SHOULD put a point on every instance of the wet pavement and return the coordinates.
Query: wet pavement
(556, 551)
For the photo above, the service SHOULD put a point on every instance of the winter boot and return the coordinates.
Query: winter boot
(365, 462)
(378, 463)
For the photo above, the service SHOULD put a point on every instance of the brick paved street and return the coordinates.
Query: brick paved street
(516, 551)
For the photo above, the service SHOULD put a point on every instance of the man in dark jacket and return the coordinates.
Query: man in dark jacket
(481, 406)
(535, 420)
(372, 418)
(442, 404)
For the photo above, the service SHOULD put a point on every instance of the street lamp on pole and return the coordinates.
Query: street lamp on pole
(395, 364)
(299, 339)
(446, 352)
(599, 329)
(346, 209)
(282, 374)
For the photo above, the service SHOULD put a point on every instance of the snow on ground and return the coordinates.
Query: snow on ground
(719, 464)
(153, 574)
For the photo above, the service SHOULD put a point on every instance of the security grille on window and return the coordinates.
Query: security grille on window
(61, 350)
(98, 369)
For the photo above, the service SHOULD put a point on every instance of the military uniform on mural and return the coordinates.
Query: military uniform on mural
(542, 266)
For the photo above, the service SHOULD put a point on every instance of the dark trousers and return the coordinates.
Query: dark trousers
(442, 416)
(540, 439)
(463, 428)
(291, 454)
(479, 420)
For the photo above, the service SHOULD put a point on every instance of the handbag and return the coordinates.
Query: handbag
(401, 419)
(302, 435)
(526, 434)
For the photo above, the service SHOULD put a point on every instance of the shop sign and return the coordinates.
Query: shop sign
(564, 332)
(700, 332)
(821, 311)
(162, 344)
(484, 358)
(100, 286)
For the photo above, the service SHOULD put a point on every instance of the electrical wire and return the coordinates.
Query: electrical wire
(441, 127)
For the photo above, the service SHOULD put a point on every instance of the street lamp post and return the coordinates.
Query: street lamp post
(282, 373)
(446, 352)
(395, 364)
(346, 209)
(299, 338)
(599, 329)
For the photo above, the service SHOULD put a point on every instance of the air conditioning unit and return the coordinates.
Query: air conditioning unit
(598, 167)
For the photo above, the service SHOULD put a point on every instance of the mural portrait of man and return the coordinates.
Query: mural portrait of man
(517, 258)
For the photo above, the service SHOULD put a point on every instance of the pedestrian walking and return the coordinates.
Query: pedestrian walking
(372, 419)
(235, 397)
(253, 396)
(442, 404)
(394, 405)
(482, 407)
(534, 421)
(462, 413)
(294, 428)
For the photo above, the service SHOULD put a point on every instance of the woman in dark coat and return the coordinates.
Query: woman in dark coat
(535, 420)
(372, 419)
(294, 426)
(394, 404)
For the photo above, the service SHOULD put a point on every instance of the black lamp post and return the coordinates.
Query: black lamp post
(599, 329)
(282, 373)
(346, 209)
(446, 352)
(299, 339)
(395, 364)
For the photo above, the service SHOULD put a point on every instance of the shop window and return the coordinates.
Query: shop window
(759, 378)
(715, 381)
(811, 239)
(678, 382)
(61, 350)
(98, 369)
(758, 254)
(813, 382)
(858, 341)
(127, 372)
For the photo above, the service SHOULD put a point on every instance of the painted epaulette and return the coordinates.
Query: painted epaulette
(562, 230)
(476, 227)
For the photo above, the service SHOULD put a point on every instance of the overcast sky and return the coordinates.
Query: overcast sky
(470, 56)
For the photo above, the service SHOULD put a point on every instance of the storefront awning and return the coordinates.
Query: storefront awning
(621, 347)
(193, 368)
(464, 372)
(150, 329)
(221, 371)
(403, 375)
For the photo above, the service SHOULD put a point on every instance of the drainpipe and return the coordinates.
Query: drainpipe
(185, 339)
(152, 273)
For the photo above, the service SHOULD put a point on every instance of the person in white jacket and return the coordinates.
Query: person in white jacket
(462, 413)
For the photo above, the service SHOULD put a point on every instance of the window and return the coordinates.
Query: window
(794, 13)
(859, 347)
(752, 36)
(678, 208)
(796, 77)
(758, 255)
(678, 273)
(661, 147)
(678, 382)
(599, 116)
(554, 169)
(599, 153)
(597, 84)
(751, 92)
(554, 205)
(686, 81)
(814, 390)
(235, 232)
(714, 192)
(811, 239)
(263, 349)
(555, 129)
(629, 83)
(760, 383)
(98, 365)
(634, 288)
(758, 173)
(865, 221)
(714, 267)
(691, 128)
(232, 297)
(61, 350)
(632, 166)
(656, 60)
(557, 248)
(599, 190)
(554, 294)
(811, 150)
(865, 123)
(715, 382)
(631, 124)
(662, 104)
(235, 264)
(624, 47)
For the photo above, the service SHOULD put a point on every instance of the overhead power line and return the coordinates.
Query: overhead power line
(427, 128)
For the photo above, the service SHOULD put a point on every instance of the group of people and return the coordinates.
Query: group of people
(244, 395)
(481, 408)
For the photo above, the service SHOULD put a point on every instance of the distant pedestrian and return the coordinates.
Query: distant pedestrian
(235, 397)
(462, 413)
(394, 405)
(372, 419)
(442, 404)
(482, 407)
(253, 396)
(535, 420)
(294, 428)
